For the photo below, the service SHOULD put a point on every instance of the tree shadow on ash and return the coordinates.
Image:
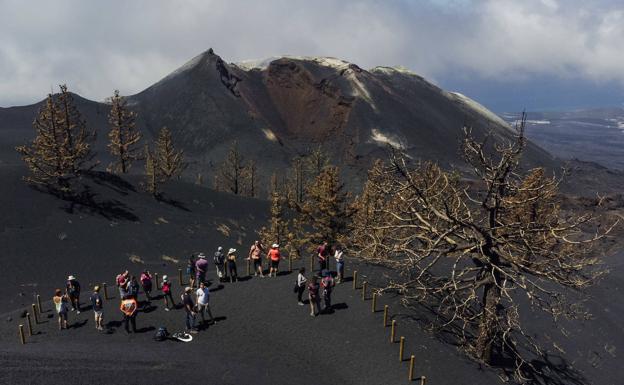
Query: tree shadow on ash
(111, 181)
(161, 197)
(545, 369)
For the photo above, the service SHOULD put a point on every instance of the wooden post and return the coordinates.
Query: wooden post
(364, 284)
(354, 279)
(392, 330)
(401, 348)
(290, 262)
(374, 302)
(21, 334)
(311, 263)
(30, 328)
(180, 277)
(385, 316)
(39, 308)
(105, 290)
(423, 380)
(34, 310)
(411, 368)
(156, 281)
(249, 267)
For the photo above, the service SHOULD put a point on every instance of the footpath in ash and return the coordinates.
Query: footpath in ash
(262, 337)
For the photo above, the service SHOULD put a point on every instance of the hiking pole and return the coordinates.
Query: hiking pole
(364, 284)
(411, 368)
(30, 328)
(401, 348)
(34, 308)
(392, 331)
(385, 316)
(21, 334)
(354, 279)
(374, 302)
(39, 304)
(105, 290)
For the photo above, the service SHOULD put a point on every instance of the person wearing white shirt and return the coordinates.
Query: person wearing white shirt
(203, 303)
(339, 257)
(301, 285)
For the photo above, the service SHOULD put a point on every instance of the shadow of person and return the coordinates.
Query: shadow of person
(78, 324)
(219, 287)
(145, 329)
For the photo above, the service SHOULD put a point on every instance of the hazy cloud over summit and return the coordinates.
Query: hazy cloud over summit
(96, 47)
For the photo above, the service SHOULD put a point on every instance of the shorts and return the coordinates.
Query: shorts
(98, 313)
(274, 264)
(257, 262)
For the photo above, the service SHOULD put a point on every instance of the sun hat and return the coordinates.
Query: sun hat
(164, 278)
(71, 277)
(187, 289)
(219, 248)
(275, 246)
(96, 288)
(201, 255)
(231, 251)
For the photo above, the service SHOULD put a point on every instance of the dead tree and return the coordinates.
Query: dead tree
(61, 149)
(168, 160)
(469, 251)
(229, 176)
(123, 136)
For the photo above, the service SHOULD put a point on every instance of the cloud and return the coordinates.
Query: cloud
(96, 47)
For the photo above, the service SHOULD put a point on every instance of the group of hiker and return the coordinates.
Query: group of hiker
(318, 286)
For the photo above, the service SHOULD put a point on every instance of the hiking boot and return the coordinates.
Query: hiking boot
(167, 309)
(300, 303)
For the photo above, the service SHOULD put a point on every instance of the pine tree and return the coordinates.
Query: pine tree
(152, 177)
(123, 136)
(61, 149)
(168, 161)
(277, 231)
(326, 210)
(230, 174)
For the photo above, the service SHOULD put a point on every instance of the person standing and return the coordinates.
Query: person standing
(322, 254)
(339, 257)
(73, 292)
(313, 295)
(129, 309)
(219, 261)
(255, 255)
(166, 290)
(203, 303)
(133, 288)
(191, 270)
(201, 266)
(62, 308)
(231, 264)
(327, 284)
(146, 283)
(189, 307)
(98, 307)
(274, 258)
(301, 285)
(122, 283)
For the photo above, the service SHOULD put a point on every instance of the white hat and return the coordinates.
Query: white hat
(164, 278)
(71, 278)
(219, 248)
(201, 255)
(275, 246)
(187, 289)
(231, 251)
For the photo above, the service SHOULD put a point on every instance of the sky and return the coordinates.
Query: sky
(509, 55)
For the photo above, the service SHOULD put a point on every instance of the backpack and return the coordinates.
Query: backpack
(161, 334)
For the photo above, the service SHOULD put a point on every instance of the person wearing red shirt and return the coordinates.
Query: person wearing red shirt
(274, 256)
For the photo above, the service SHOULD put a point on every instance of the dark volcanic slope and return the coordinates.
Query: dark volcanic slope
(283, 109)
